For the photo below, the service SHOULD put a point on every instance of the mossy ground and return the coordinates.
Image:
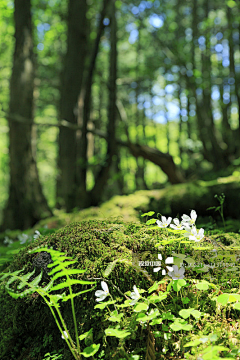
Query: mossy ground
(28, 329)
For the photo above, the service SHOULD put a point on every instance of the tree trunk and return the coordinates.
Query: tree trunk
(84, 106)
(101, 180)
(71, 86)
(26, 204)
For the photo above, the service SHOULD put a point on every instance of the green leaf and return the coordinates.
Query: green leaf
(177, 284)
(115, 317)
(193, 343)
(150, 213)
(228, 298)
(104, 304)
(141, 307)
(86, 334)
(185, 313)
(202, 286)
(121, 334)
(151, 221)
(236, 306)
(90, 350)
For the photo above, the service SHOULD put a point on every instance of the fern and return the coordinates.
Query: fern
(59, 269)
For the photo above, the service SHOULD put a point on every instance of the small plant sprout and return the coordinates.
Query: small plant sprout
(221, 199)
(187, 220)
(177, 225)
(165, 222)
(177, 274)
(134, 295)
(102, 294)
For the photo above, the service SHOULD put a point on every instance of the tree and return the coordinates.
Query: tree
(72, 78)
(26, 203)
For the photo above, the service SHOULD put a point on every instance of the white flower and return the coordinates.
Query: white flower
(102, 294)
(64, 335)
(177, 226)
(36, 235)
(169, 260)
(165, 222)
(177, 274)
(192, 233)
(134, 295)
(187, 220)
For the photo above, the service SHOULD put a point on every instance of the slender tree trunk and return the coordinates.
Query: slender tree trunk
(71, 85)
(26, 204)
(101, 180)
(84, 105)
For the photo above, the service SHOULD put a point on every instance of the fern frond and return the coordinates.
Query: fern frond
(60, 264)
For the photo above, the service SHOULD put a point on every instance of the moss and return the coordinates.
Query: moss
(93, 244)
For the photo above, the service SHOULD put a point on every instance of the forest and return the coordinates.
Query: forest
(124, 113)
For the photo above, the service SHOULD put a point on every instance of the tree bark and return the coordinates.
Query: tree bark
(71, 85)
(26, 204)
(102, 177)
(84, 105)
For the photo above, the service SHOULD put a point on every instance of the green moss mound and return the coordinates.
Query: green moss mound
(28, 329)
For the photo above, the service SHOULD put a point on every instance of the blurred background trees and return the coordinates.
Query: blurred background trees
(123, 95)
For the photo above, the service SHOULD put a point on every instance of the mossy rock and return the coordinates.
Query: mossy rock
(28, 329)
(26, 322)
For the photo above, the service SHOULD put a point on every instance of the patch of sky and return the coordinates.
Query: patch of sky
(130, 27)
(201, 40)
(189, 73)
(149, 113)
(217, 20)
(219, 36)
(169, 77)
(192, 113)
(148, 4)
(215, 93)
(106, 21)
(135, 10)
(160, 117)
(231, 81)
(199, 91)
(131, 97)
(187, 10)
(156, 100)
(216, 114)
(234, 110)
(133, 85)
(225, 62)
(219, 48)
(173, 110)
(147, 104)
(236, 36)
(175, 69)
(183, 112)
(133, 36)
(40, 46)
(140, 98)
(156, 3)
(140, 106)
(219, 57)
(156, 21)
(169, 89)
(157, 90)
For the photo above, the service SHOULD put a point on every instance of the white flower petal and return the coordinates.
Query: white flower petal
(104, 286)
